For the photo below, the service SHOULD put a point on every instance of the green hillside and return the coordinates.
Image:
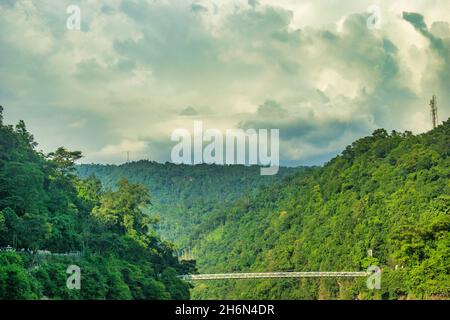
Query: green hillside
(51, 220)
(183, 196)
(389, 193)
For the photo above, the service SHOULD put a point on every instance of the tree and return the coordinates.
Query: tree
(15, 282)
(44, 206)
(64, 160)
(123, 208)
(27, 137)
(89, 190)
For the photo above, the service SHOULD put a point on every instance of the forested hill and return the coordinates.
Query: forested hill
(388, 193)
(50, 220)
(188, 183)
(183, 196)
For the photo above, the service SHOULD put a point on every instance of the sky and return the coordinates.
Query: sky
(319, 71)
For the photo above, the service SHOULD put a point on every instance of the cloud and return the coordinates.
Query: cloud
(271, 108)
(416, 20)
(198, 8)
(253, 3)
(437, 78)
(120, 152)
(78, 124)
(188, 111)
(311, 68)
(304, 136)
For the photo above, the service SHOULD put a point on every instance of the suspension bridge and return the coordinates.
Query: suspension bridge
(270, 275)
(186, 254)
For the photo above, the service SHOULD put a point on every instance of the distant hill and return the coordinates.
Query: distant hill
(183, 196)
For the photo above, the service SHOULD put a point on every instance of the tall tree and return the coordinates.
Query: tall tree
(64, 160)
(123, 208)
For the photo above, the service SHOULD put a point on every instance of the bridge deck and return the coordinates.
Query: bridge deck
(265, 275)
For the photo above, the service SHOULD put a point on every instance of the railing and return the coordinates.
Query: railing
(41, 252)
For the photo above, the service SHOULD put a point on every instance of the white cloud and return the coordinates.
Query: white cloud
(137, 64)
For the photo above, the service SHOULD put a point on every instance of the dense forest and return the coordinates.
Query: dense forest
(183, 196)
(50, 219)
(387, 194)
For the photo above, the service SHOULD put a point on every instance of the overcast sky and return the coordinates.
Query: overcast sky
(137, 70)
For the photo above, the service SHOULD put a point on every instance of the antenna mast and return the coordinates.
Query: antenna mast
(433, 105)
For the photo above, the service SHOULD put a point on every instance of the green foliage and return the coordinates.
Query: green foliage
(123, 209)
(64, 160)
(15, 282)
(44, 206)
(184, 196)
(386, 192)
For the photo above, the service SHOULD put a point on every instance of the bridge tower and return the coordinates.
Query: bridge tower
(186, 254)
